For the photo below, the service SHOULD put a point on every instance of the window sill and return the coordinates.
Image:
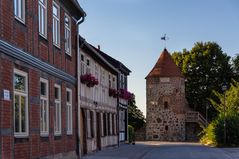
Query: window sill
(20, 20)
(68, 53)
(44, 134)
(21, 135)
(43, 36)
(57, 46)
(57, 134)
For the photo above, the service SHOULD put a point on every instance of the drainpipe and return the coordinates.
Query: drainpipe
(81, 20)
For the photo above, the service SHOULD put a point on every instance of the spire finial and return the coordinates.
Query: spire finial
(165, 38)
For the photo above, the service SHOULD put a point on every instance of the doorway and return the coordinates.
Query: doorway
(98, 127)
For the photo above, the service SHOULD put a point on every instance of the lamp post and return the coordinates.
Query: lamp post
(224, 88)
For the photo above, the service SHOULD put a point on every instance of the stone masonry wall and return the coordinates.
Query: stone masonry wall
(165, 120)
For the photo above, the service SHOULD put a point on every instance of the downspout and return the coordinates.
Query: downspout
(81, 20)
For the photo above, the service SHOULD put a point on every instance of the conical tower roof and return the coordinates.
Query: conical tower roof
(165, 67)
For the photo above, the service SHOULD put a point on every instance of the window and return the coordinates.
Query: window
(57, 117)
(88, 66)
(110, 82)
(109, 124)
(83, 65)
(67, 34)
(105, 124)
(56, 24)
(20, 104)
(19, 10)
(90, 123)
(115, 124)
(114, 83)
(44, 108)
(103, 77)
(42, 17)
(69, 110)
(165, 105)
(122, 84)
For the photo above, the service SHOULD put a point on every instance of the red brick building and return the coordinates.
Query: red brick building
(38, 78)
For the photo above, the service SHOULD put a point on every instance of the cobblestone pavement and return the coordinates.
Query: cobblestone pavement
(165, 150)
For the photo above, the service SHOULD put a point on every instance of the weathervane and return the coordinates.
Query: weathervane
(165, 38)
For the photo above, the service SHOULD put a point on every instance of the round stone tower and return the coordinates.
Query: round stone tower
(166, 103)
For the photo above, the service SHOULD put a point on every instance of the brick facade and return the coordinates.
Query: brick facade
(18, 39)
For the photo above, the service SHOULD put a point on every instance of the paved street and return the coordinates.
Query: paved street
(164, 150)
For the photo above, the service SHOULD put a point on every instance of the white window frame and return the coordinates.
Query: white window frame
(57, 111)
(19, 10)
(67, 33)
(21, 94)
(56, 29)
(42, 18)
(46, 99)
(69, 112)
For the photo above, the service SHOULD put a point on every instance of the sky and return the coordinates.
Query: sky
(131, 30)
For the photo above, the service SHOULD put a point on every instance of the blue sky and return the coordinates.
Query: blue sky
(130, 31)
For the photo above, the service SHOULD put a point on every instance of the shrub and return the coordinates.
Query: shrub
(232, 130)
(214, 133)
(131, 134)
(209, 137)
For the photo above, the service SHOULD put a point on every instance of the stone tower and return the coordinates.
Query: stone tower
(166, 103)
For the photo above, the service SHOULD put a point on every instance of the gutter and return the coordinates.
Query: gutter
(81, 20)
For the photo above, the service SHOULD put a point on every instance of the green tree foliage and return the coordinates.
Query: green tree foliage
(131, 134)
(135, 115)
(214, 133)
(235, 63)
(231, 97)
(205, 67)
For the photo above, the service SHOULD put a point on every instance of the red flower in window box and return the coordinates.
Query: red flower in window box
(89, 80)
(124, 94)
(113, 93)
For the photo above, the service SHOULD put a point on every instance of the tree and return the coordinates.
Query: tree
(135, 115)
(214, 133)
(235, 64)
(231, 97)
(205, 68)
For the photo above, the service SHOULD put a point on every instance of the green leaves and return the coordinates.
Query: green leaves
(205, 67)
(135, 116)
(231, 99)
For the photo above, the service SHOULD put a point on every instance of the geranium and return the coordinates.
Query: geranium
(89, 80)
(113, 92)
(123, 93)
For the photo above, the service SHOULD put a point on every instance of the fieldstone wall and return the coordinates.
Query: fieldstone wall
(166, 107)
